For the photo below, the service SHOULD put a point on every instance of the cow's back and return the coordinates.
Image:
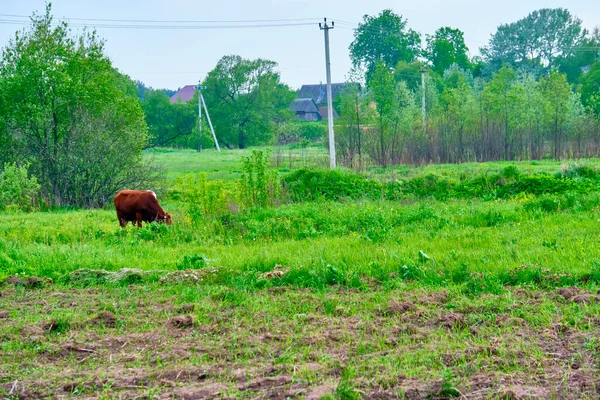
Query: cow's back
(129, 202)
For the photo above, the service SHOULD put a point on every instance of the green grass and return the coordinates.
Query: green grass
(416, 297)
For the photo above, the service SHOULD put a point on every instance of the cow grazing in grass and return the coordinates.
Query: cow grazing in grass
(138, 206)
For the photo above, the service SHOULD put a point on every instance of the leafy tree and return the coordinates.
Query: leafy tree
(409, 73)
(245, 99)
(383, 38)
(458, 109)
(169, 124)
(583, 56)
(535, 42)
(556, 90)
(355, 115)
(445, 48)
(70, 114)
(502, 98)
(382, 87)
(395, 115)
(590, 88)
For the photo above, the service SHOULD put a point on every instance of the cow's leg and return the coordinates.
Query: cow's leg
(138, 218)
(122, 221)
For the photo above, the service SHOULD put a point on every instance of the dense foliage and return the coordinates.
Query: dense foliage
(69, 114)
(536, 42)
(509, 117)
(246, 99)
(385, 38)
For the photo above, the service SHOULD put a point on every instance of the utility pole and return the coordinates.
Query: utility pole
(199, 117)
(201, 99)
(326, 29)
(423, 109)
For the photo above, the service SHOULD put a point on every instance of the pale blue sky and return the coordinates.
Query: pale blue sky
(173, 58)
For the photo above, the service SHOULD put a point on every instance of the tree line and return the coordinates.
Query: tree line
(78, 125)
(534, 93)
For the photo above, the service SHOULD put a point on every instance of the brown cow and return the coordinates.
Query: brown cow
(138, 206)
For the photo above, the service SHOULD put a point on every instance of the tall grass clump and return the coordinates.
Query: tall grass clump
(259, 184)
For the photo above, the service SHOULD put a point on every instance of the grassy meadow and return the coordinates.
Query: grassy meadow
(471, 281)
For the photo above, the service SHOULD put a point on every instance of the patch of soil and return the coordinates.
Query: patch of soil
(105, 318)
(397, 308)
(569, 293)
(13, 280)
(408, 329)
(507, 320)
(186, 308)
(182, 321)
(519, 392)
(191, 374)
(451, 321)
(435, 298)
(54, 326)
(33, 282)
(32, 331)
(586, 298)
(212, 390)
(268, 383)
(4, 314)
(318, 392)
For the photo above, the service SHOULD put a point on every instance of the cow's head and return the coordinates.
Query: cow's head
(164, 218)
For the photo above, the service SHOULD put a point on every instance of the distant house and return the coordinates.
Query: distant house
(306, 109)
(184, 94)
(317, 94)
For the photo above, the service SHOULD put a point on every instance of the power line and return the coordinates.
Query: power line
(170, 27)
(173, 21)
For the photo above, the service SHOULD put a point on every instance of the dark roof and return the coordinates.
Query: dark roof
(304, 105)
(184, 94)
(319, 92)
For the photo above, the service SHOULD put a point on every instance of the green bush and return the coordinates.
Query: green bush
(430, 186)
(317, 184)
(582, 171)
(311, 130)
(314, 184)
(17, 189)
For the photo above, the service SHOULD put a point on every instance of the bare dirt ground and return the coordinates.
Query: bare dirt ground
(180, 342)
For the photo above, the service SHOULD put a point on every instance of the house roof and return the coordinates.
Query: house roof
(318, 93)
(184, 94)
(304, 105)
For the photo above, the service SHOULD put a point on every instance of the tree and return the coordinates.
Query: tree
(582, 57)
(245, 98)
(534, 43)
(590, 88)
(383, 38)
(169, 124)
(556, 90)
(502, 98)
(458, 111)
(395, 116)
(446, 47)
(354, 117)
(70, 114)
(409, 73)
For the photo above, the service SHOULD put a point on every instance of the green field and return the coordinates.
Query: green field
(433, 294)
